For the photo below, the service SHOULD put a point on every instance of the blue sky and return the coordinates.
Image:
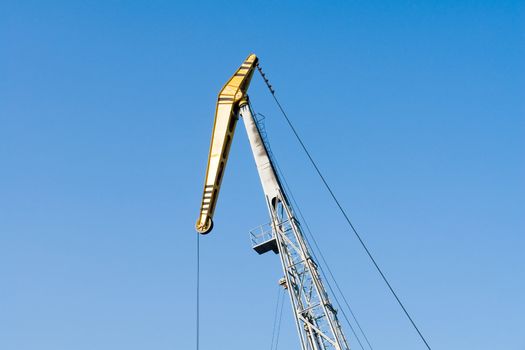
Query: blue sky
(413, 110)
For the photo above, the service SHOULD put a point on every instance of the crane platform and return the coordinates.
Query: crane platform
(263, 239)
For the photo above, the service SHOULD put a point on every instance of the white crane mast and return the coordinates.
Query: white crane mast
(316, 319)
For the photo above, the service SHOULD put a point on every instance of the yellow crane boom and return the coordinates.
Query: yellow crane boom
(226, 115)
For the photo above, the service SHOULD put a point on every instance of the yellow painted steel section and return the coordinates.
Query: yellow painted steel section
(226, 115)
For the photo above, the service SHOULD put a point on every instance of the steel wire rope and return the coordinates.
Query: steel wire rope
(279, 322)
(341, 209)
(197, 323)
(275, 315)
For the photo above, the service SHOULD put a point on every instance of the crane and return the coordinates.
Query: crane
(316, 319)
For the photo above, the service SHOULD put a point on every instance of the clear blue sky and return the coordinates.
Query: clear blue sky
(414, 111)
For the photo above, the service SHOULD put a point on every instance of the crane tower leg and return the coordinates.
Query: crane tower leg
(315, 317)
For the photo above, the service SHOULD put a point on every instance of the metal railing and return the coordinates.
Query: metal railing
(261, 234)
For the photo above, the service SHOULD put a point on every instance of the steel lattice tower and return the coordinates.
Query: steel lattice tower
(315, 317)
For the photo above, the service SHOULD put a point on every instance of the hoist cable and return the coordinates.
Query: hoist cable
(197, 325)
(275, 315)
(279, 324)
(341, 209)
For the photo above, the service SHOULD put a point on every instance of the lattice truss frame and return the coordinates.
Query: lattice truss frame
(316, 318)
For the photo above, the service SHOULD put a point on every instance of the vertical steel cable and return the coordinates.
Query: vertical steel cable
(279, 321)
(197, 325)
(275, 315)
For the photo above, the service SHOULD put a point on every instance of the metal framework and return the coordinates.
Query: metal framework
(315, 317)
